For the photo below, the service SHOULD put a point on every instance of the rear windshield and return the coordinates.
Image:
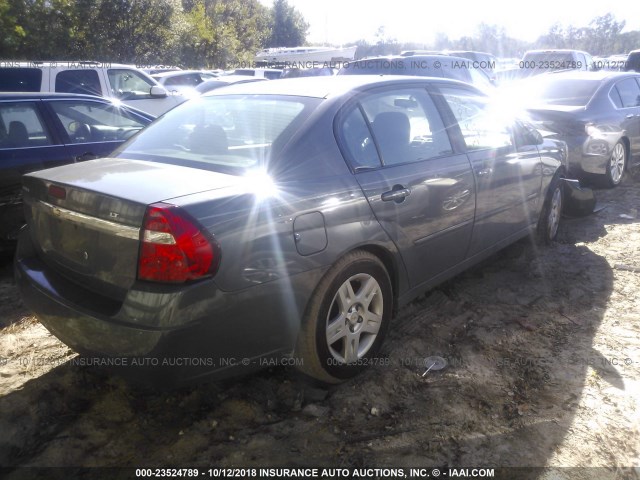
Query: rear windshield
(229, 133)
(20, 79)
(556, 91)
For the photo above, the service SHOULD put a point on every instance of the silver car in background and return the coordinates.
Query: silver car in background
(282, 219)
(596, 113)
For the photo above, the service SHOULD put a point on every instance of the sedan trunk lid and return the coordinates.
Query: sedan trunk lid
(85, 219)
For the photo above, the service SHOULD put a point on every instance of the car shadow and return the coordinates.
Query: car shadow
(517, 332)
(12, 309)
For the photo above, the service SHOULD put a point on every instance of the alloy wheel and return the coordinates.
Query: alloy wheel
(555, 212)
(354, 318)
(617, 163)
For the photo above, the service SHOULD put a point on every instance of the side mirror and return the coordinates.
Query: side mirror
(157, 91)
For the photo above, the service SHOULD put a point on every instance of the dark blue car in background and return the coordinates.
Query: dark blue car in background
(39, 131)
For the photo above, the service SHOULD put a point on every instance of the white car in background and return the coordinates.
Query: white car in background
(183, 81)
(125, 83)
(225, 81)
(268, 73)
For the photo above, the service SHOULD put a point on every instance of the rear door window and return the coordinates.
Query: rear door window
(21, 126)
(358, 142)
(20, 79)
(87, 121)
(615, 97)
(406, 126)
(629, 92)
(79, 81)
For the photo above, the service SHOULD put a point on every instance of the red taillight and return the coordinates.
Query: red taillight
(57, 192)
(173, 249)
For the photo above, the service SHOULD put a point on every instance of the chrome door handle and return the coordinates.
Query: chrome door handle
(395, 195)
(484, 171)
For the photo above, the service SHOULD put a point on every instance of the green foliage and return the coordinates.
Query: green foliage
(11, 31)
(288, 27)
(221, 33)
(603, 37)
(189, 33)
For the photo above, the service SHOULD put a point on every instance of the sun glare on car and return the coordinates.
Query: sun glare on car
(261, 184)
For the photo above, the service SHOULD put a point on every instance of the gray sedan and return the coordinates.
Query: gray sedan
(280, 222)
(596, 113)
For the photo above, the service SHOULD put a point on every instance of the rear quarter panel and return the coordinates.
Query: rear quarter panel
(258, 233)
(553, 156)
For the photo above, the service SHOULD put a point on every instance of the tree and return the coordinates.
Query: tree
(12, 32)
(222, 33)
(35, 29)
(288, 28)
(133, 31)
(601, 37)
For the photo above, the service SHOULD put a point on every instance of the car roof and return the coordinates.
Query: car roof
(177, 73)
(325, 87)
(471, 51)
(259, 69)
(439, 56)
(70, 64)
(554, 50)
(12, 96)
(237, 78)
(46, 95)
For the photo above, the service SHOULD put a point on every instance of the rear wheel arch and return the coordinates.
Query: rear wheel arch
(319, 355)
(390, 265)
(627, 145)
(549, 220)
(382, 254)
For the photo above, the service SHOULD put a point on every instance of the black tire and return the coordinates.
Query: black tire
(616, 165)
(551, 213)
(337, 361)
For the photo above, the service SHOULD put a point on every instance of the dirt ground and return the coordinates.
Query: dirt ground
(543, 351)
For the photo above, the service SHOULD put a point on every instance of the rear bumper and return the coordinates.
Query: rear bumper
(579, 200)
(173, 335)
(588, 155)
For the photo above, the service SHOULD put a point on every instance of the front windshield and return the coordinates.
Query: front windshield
(227, 133)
